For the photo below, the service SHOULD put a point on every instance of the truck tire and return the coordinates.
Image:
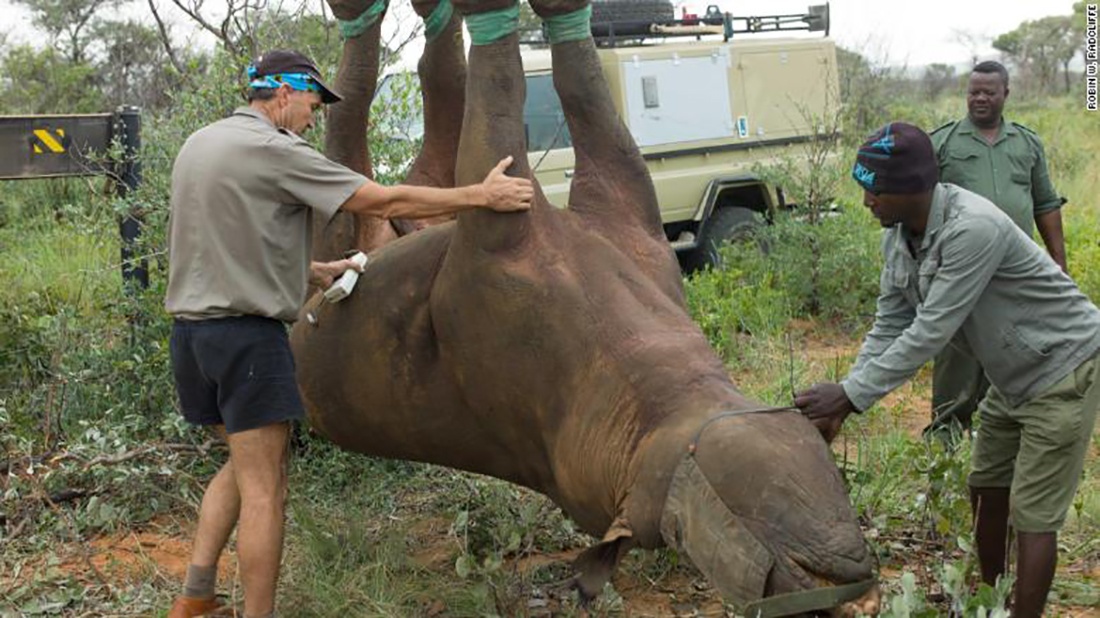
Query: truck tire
(651, 11)
(729, 224)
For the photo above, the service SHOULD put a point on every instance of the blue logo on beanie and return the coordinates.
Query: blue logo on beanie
(897, 159)
(864, 176)
(884, 143)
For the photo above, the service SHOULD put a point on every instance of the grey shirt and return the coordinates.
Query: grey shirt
(974, 280)
(240, 225)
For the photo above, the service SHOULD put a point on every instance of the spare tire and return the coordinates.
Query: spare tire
(648, 11)
(727, 224)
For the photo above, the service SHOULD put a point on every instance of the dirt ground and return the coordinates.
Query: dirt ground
(133, 557)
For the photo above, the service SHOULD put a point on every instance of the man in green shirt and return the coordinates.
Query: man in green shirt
(1003, 162)
(958, 271)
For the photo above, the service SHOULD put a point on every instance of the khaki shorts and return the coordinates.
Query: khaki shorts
(1038, 449)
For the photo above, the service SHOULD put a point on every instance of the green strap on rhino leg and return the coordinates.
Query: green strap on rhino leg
(438, 20)
(575, 26)
(492, 26)
(353, 28)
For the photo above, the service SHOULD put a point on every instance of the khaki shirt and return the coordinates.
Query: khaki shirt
(975, 280)
(1011, 172)
(240, 224)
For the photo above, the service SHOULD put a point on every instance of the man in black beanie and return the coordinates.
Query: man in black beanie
(958, 271)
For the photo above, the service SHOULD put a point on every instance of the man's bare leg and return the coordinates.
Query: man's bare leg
(259, 465)
(1035, 565)
(217, 517)
(989, 506)
(221, 505)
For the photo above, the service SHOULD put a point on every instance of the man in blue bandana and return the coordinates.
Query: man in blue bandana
(958, 271)
(244, 193)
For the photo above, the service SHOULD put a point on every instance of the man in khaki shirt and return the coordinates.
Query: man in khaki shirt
(957, 270)
(1005, 163)
(243, 193)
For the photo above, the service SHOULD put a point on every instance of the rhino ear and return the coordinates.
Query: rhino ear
(595, 566)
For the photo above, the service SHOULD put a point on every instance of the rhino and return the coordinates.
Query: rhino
(553, 349)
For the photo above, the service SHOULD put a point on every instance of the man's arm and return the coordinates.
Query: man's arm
(1047, 206)
(827, 405)
(893, 314)
(1049, 225)
(970, 257)
(498, 192)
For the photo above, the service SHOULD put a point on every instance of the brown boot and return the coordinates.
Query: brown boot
(192, 607)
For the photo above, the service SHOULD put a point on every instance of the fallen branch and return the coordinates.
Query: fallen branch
(30, 460)
(100, 460)
(53, 457)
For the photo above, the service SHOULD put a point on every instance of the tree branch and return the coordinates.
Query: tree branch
(193, 9)
(165, 39)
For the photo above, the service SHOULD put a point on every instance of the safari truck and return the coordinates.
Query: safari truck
(706, 100)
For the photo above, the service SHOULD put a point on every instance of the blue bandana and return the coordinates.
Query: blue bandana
(302, 82)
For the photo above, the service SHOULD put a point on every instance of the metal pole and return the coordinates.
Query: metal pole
(128, 125)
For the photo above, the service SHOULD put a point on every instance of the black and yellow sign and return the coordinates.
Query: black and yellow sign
(47, 140)
(46, 146)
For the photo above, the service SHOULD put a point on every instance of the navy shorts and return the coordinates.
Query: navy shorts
(237, 372)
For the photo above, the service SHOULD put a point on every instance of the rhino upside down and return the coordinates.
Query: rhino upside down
(553, 349)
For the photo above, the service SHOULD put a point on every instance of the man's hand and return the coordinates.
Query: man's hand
(826, 405)
(324, 274)
(506, 193)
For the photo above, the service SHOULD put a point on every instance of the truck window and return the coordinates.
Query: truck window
(542, 115)
(398, 114)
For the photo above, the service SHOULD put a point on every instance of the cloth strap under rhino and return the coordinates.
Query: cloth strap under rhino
(572, 26)
(352, 28)
(437, 21)
(491, 26)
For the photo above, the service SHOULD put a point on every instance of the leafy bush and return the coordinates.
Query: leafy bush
(829, 270)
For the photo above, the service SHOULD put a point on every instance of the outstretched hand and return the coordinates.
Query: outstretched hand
(506, 193)
(826, 405)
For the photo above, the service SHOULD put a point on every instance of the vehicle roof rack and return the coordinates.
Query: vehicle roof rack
(714, 22)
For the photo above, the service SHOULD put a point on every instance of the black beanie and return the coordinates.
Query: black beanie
(898, 158)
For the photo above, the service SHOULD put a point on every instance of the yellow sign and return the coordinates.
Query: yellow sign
(49, 141)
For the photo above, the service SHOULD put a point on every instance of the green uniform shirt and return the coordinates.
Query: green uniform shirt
(975, 277)
(240, 222)
(1011, 172)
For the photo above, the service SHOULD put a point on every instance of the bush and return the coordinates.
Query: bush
(829, 271)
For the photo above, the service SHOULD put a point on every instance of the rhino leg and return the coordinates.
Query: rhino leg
(442, 71)
(611, 189)
(492, 129)
(346, 137)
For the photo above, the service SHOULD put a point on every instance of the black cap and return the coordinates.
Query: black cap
(289, 61)
(898, 158)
